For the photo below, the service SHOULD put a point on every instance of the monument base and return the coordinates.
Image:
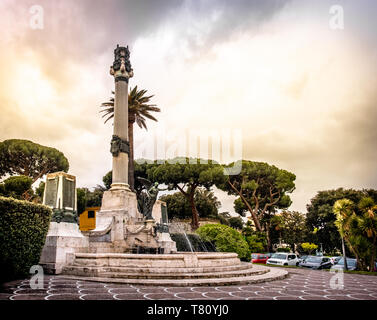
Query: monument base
(63, 239)
(120, 227)
(166, 242)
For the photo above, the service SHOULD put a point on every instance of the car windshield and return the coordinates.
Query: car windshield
(279, 256)
(313, 259)
(350, 262)
(254, 256)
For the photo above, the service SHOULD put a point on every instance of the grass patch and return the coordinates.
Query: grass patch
(360, 272)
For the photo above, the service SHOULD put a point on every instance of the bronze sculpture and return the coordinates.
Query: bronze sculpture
(147, 197)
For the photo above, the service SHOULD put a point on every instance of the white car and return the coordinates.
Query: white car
(284, 259)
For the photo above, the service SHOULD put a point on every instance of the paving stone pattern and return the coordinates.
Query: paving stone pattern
(301, 284)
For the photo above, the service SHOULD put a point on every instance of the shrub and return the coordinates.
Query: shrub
(255, 245)
(16, 187)
(196, 243)
(308, 247)
(236, 223)
(223, 220)
(225, 239)
(23, 230)
(286, 249)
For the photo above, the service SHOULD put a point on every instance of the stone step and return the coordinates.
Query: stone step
(176, 273)
(270, 274)
(161, 270)
(177, 260)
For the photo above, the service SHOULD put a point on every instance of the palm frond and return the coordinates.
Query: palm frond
(138, 106)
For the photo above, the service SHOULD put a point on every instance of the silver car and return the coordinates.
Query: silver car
(351, 264)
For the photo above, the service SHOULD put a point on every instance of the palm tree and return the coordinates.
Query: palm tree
(367, 224)
(138, 110)
(343, 210)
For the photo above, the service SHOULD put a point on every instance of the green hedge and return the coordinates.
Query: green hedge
(196, 243)
(23, 230)
(225, 239)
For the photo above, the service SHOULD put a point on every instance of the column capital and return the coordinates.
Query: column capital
(121, 68)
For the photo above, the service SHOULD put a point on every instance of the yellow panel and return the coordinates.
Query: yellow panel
(88, 219)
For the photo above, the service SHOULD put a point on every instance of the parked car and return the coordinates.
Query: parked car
(259, 258)
(284, 259)
(335, 260)
(303, 258)
(315, 262)
(351, 264)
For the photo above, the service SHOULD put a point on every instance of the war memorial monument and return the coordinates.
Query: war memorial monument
(131, 242)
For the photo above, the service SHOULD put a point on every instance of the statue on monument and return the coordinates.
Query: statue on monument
(119, 145)
(148, 197)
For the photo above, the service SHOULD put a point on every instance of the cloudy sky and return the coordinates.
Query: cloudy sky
(275, 78)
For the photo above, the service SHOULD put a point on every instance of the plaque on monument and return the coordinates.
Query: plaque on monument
(164, 213)
(69, 193)
(51, 189)
(60, 196)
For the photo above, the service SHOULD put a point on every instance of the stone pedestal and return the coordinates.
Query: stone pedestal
(120, 199)
(62, 239)
(121, 205)
(166, 242)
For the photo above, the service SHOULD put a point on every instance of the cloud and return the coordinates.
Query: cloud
(302, 94)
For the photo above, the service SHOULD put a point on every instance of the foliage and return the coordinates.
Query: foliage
(282, 249)
(320, 219)
(225, 239)
(236, 223)
(18, 187)
(256, 240)
(87, 198)
(359, 231)
(138, 107)
(308, 247)
(259, 187)
(255, 245)
(179, 207)
(40, 190)
(197, 244)
(27, 158)
(108, 180)
(23, 230)
(81, 200)
(224, 218)
(186, 175)
(290, 226)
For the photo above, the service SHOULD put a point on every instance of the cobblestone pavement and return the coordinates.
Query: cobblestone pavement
(300, 284)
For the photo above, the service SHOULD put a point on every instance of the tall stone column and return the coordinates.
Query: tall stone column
(119, 204)
(122, 71)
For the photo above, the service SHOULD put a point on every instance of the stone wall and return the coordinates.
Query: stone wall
(184, 225)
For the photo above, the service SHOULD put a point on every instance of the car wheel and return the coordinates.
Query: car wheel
(285, 264)
(297, 264)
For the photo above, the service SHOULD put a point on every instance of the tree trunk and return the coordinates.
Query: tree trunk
(269, 245)
(253, 214)
(373, 258)
(195, 215)
(344, 254)
(131, 168)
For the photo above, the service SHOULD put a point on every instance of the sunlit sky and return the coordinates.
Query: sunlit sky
(301, 94)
